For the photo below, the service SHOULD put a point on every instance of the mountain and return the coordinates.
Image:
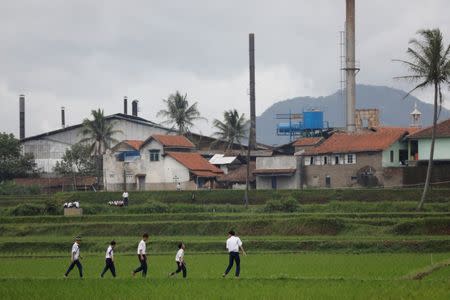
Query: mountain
(394, 110)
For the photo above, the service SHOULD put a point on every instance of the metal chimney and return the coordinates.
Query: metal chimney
(251, 46)
(350, 64)
(134, 108)
(22, 116)
(125, 105)
(63, 117)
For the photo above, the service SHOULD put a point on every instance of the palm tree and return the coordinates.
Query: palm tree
(233, 127)
(179, 113)
(98, 135)
(429, 65)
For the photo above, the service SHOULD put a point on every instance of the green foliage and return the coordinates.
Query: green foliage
(13, 163)
(232, 129)
(284, 205)
(10, 188)
(76, 160)
(179, 113)
(26, 209)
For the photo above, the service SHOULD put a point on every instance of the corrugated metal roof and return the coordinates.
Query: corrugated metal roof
(221, 159)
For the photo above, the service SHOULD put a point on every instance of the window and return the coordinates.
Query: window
(311, 160)
(336, 160)
(391, 156)
(307, 160)
(154, 155)
(349, 158)
(325, 160)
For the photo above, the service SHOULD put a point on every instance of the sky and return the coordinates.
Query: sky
(85, 55)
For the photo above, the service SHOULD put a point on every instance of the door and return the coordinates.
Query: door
(274, 182)
(328, 181)
(141, 183)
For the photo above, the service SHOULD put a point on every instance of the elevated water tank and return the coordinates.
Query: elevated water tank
(312, 120)
(287, 128)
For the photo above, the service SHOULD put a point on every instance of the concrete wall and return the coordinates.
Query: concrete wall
(278, 162)
(386, 157)
(50, 149)
(441, 149)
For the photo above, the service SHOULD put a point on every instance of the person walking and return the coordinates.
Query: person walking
(142, 256)
(233, 245)
(109, 260)
(125, 198)
(179, 259)
(75, 258)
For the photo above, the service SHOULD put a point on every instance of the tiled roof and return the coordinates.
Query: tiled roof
(239, 175)
(274, 171)
(442, 131)
(374, 140)
(308, 141)
(196, 163)
(135, 144)
(173, 141)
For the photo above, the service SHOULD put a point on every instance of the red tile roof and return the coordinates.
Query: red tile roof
(442, 131)
(274, 171)
(135, 144)
(239, 174)
(178, 141)
(374, 140)
(196, 164)
(308, 141)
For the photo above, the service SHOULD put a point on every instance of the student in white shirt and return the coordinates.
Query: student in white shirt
(179, 259)
(125, 198)
(233, 245)
(142, 256)
(109, 260)
(75, 258)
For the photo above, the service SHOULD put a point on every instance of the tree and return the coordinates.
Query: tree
(98, 134)
(77, 160)
(178, 112)
(13, 163)
(429, 65)
(233, 127)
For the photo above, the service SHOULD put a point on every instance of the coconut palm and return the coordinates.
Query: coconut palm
(98, 134)
(429, 66)
(178, 112)
(232, 129)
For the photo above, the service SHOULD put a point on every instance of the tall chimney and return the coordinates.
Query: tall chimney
(350, 63)
(22, 116)
(125, 105)
(63, 117)
(134, 108)
(252, 139)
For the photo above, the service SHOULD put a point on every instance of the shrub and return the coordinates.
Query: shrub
(10, 188)
(26, 210)
(284, 205)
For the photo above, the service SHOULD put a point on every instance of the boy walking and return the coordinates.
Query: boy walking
(233, 245)
(142, 256)
(179, 259)
(75, 258)
(109, 260)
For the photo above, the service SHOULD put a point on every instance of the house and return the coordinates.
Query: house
(226, 163)
(160, 162)
(277, 172)
(236, 178)
(365, 158)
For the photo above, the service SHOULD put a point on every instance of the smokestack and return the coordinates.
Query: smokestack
(22, 116)
(134, 108)
(251, 45)
(63, 117)
(350, 63)
(125, 105)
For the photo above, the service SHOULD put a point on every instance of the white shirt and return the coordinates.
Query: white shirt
(75, 251)
(125, 195)
(142, 247)
(109, 252)
(180, 255)
(233, 244)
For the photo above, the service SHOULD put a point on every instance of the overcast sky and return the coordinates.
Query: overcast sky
(89, 54)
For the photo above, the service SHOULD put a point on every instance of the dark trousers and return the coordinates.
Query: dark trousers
(234, 257)
(72, 265)
(125, 201)
(109, 265)
(180, 267)
(142, 267)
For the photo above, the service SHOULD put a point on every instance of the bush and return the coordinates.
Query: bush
(52, 207)
(284, 205)
(10, 188)
(26, 210)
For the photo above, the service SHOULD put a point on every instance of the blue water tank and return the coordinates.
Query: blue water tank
(286, 127)
(312, 120)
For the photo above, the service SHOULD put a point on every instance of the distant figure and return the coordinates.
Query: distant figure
(233, 245)
(75, 258)
(109, 260)
(178, 186)
(179, 259)
(142, 256)
(125, 198)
